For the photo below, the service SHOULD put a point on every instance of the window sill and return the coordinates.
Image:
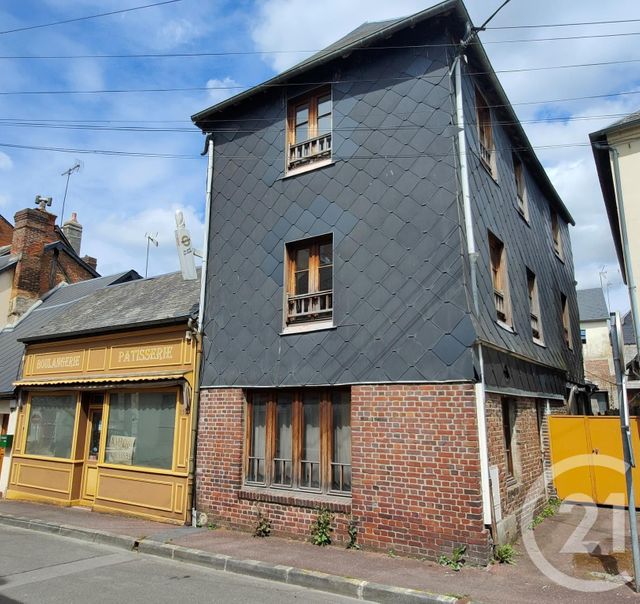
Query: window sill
(512, 484)
(303, 499)
(505, 326)
(307, 168)
(307, 327)
(540, 343)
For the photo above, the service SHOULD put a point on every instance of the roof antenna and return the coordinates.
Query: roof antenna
(76, 168)
(151, 238)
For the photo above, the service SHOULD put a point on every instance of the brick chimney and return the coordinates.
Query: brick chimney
(91, 261)
(33, 229)
(72, 230)
(6, 232)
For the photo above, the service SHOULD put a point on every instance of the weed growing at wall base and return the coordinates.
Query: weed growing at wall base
(321, 528)
(456, 561)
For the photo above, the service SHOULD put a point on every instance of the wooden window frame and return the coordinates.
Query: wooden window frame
(508, 432)
(500, 280)
(556, 238)
(566, 321)
(299, 309)
(486, 146)
(317, 149)
(521, 188)
(297, 428)
(534, 307)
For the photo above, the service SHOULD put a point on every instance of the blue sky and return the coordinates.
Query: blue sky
(118, 199)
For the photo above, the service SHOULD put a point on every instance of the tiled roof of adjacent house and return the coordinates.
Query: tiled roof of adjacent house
(592, 305)
(44, 315)
(157, 300)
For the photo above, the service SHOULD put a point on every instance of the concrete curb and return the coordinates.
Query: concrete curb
(344, 586)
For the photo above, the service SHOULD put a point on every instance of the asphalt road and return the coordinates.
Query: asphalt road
(38, 568)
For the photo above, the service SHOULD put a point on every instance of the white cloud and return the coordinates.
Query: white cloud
(176, 32)
(219, 90)
(5, 161)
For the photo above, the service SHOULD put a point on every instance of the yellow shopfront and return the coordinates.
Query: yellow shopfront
(106, 422)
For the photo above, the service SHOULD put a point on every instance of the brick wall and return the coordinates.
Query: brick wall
(600, 372)
(6, 232)
(416, 471)
(530, 446)
(38, 271)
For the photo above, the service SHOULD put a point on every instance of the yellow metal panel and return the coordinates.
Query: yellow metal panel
(569, 438)
(607, 459)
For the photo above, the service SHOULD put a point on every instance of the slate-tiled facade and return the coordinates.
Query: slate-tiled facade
(403, 307)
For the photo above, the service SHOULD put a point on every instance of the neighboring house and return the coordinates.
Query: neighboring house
(36, 255)
(385, 330)
(596, 349)
(629, 337)
(106, 390)
(45, 312)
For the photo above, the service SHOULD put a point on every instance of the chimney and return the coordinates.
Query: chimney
(91, 261)
(6, 232)
(72, 230)
(34, 228)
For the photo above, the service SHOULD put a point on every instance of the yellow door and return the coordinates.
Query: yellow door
(569, 438)
(92, 454)
(608, 460)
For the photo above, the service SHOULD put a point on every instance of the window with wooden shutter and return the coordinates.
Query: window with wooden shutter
(485, 133)
(534, 307)
(500, 279)
(521, 189)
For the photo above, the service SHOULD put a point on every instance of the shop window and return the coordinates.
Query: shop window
(310, 282)
(51, 421)
(141, 428)
(309, 130)
(521, 189)
(507, 431)
(485, 133)
(500, 280)
(299, 440)
(534, 307)
(566, 322)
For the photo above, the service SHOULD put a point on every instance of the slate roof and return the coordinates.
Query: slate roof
(592, 305)
(7, 261)
(164, 299)
(54, 304)
(628, 333)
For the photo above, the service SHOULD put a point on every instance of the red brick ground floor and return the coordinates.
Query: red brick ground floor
(415, 484)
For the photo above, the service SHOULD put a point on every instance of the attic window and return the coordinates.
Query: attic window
(309, 130)
(485, 133)
(555, 234)
(521, 189)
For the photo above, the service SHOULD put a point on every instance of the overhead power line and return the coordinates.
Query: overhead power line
(87, 17)
(299, 84)
(574, 24)
(82, 125)
(240, 53)
(382, 156)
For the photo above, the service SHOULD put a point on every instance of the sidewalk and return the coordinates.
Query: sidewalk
(358, 573)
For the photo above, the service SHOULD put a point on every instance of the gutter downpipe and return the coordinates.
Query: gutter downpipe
(487, 512)
(631, 282)
(195, 408)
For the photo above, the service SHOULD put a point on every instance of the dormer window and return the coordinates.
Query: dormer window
(309, 130)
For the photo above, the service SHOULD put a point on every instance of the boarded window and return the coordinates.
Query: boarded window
(500, 279)
(534, 307)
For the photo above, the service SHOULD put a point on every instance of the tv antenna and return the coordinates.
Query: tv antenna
(75, 168)
(151, 238)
